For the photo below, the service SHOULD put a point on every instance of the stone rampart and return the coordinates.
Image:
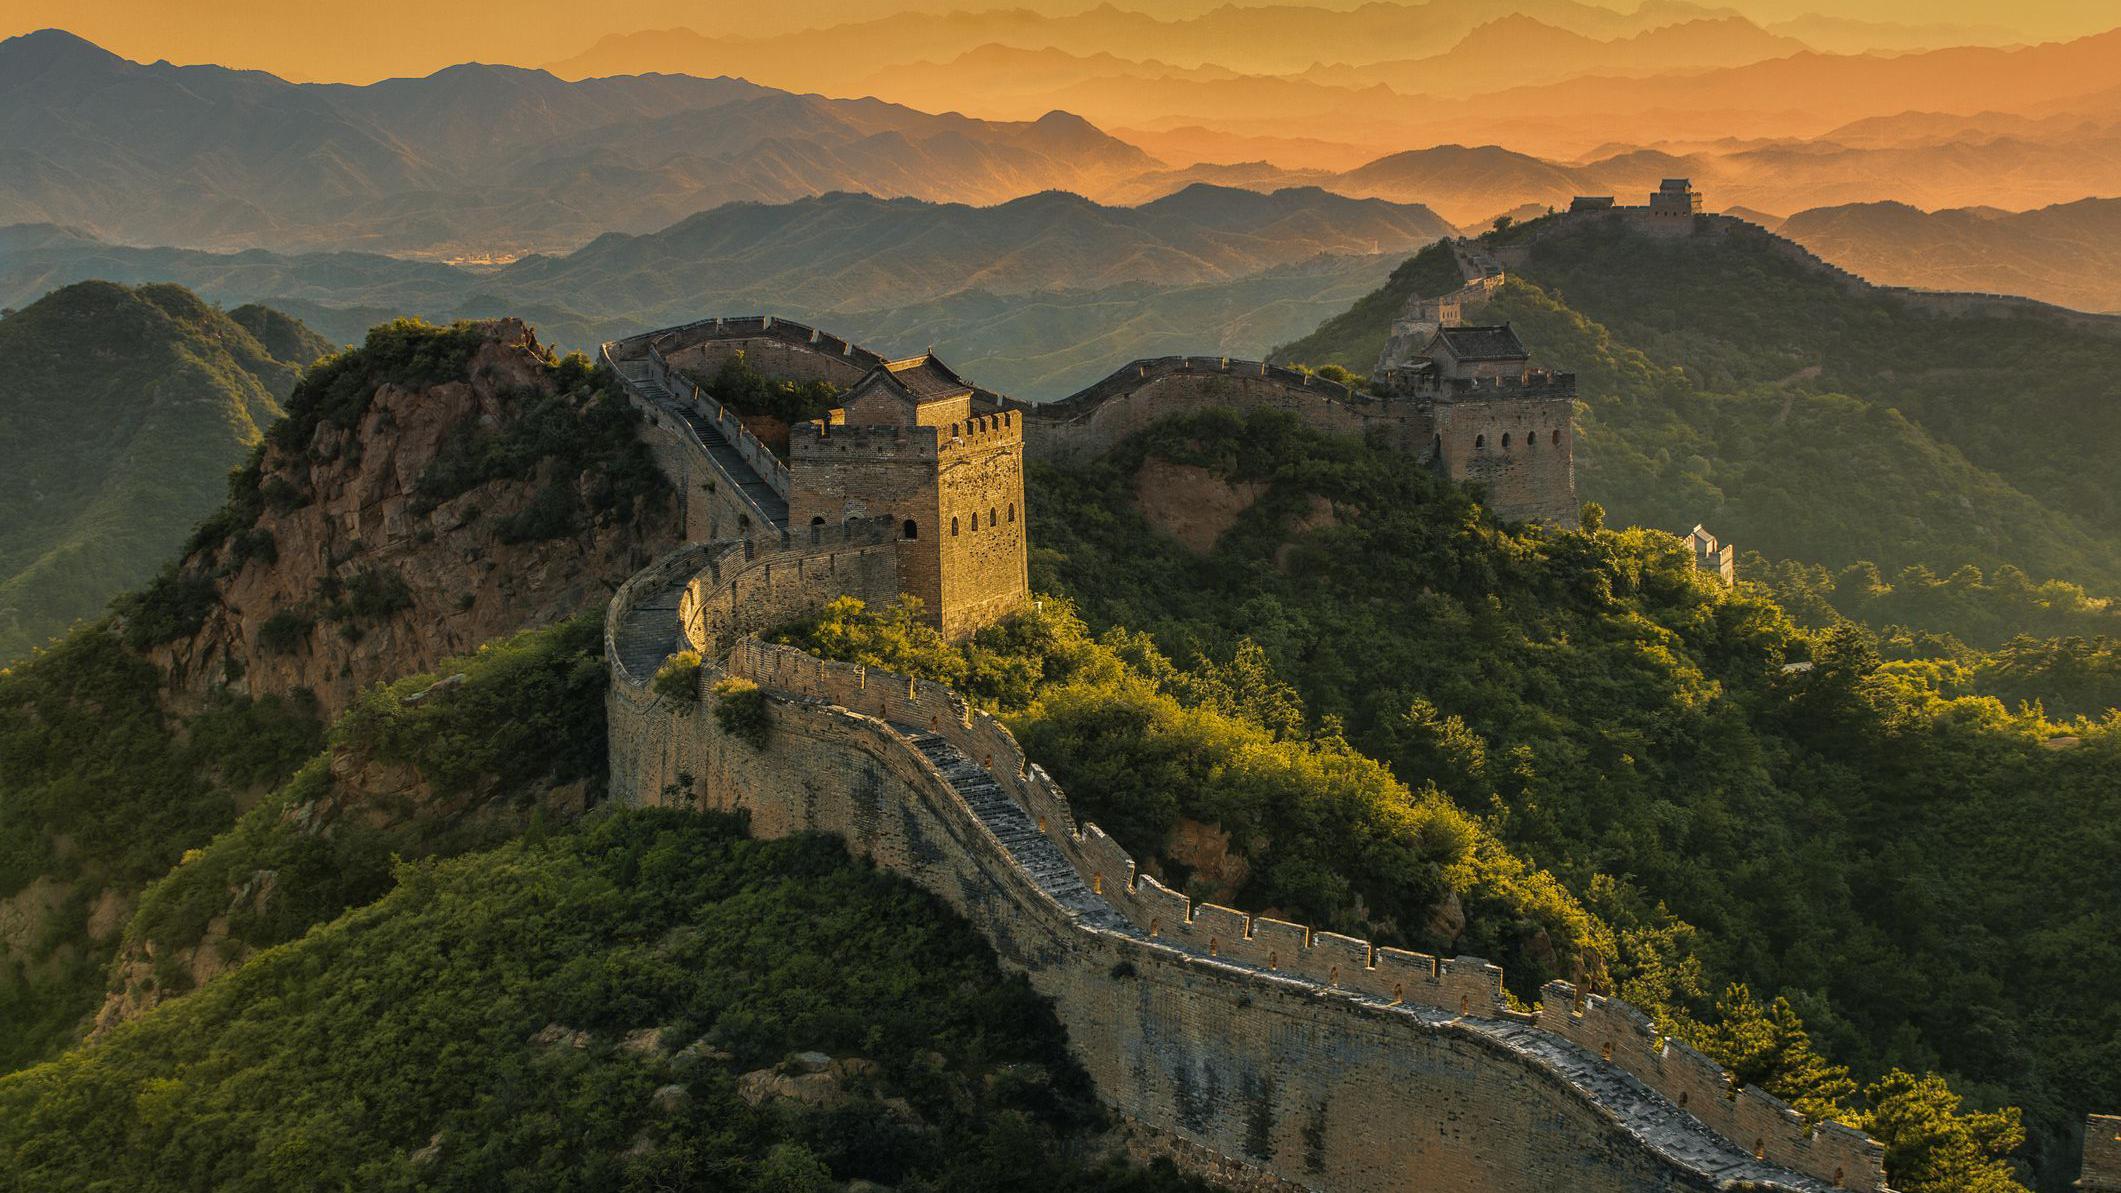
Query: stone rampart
(710, 495)
(2102, 1155)
(1094, 421)
(1307, 1057)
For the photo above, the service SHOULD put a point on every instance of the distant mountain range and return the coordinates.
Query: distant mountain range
(1046, 292)
(124, 411)
(473, 159)
(2068, 254)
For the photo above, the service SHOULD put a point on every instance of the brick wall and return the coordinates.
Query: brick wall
(1253, 1044)
(1519, 450)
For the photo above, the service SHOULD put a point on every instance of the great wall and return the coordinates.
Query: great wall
(1260, 1053)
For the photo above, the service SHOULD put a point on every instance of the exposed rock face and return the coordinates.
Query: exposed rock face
(461, 583)
(1190, 503)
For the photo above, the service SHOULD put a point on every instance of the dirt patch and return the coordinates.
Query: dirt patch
(1190, 503)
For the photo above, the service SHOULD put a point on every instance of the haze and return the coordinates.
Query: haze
(363, 40)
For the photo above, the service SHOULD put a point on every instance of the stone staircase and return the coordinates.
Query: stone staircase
(1032, 850)
(737, 470)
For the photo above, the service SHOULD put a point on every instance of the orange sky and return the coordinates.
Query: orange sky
(361, 40)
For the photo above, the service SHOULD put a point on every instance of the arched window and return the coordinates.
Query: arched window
(911, 529)
(953, 528)
(1556, 440)
(1505, 441)
(1012, 511)
(817, 529)
(818, 520)
(975, 519)
(1531, 439)
(1480, 441)
(992, 520)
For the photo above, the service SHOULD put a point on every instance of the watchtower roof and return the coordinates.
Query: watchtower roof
(1483, 343)
(1676, 184)
(923, 378)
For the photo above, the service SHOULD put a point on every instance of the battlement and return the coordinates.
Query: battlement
(1614, 1032)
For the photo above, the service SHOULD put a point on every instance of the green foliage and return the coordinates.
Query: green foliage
(678, 679)
(330, 845)
(173, 605)
(582, 428)
(1728, 382)
(432, 1001)
(1983, 610)
(98, 791)
(1913, 867)
(745, 390)
(528, 708)
(336, 390)
(1931, 1146)
(740, 709)
(1325, 835)
(125, 406)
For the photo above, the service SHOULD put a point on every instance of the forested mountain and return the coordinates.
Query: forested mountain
(2069, 254)
(1729, 381)
(124, 411)
(1920, 872)
(478, 160)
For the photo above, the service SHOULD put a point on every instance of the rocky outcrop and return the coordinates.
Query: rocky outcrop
(351, 575)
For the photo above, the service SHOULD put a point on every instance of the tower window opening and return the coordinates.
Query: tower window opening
(1012, 511)
(911, 529)
(992, 520)
(953, 528)
(1556, 440)
(1480, 441)
(1505, 441)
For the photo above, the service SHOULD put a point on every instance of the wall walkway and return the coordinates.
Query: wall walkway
(1306, 1057)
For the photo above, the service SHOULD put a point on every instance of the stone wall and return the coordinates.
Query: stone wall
(1303, 1057)
(773, 346)
(980, 491)
(2102, 1154)
(1520, 451)
(1095, 421)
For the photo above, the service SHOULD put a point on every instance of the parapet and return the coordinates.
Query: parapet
(1469, 988)
(2102, 1155)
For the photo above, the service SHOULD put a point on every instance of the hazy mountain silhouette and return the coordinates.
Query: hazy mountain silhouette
(2068, 254)
(473, 157)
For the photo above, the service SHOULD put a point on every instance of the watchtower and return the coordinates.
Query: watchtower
(915, 442)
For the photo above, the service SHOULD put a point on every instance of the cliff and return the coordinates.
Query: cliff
(431, 491)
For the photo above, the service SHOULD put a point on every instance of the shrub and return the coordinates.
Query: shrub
(678, 679)
(173, 605)
(285, 631)
(740, 709)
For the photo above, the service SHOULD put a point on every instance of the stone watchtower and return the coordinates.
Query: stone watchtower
(1494, 420)
(914, 442)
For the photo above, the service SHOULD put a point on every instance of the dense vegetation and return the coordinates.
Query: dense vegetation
(124, 408)
(747, 391)
(1623, 723)
(463, 759)
(1813, 422)
(580, 1011)
(1314, 829)
(100, 793)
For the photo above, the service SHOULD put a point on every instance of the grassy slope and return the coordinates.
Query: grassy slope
(125, 409)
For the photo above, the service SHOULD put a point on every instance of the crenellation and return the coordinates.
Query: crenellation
(1299, 1055)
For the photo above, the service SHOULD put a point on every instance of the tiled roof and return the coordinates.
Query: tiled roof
(1483, 343)
(927, 378)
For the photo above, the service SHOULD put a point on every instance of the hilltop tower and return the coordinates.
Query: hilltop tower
(912, 442)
